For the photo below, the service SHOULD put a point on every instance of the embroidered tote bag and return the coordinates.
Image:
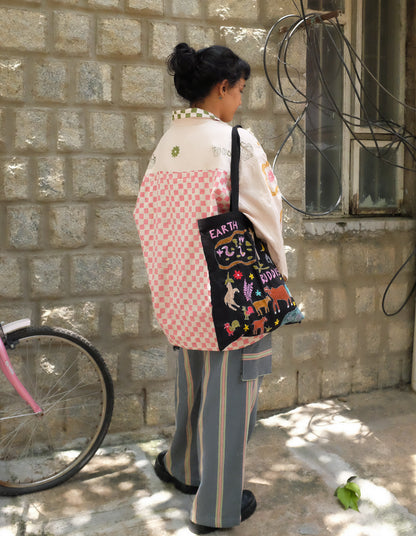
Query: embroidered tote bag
(248, 294)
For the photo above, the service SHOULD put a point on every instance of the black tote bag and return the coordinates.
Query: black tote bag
(248, 294)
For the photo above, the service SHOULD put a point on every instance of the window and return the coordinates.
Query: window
(360, 156)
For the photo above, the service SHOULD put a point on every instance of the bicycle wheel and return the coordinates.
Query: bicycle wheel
(68, 378)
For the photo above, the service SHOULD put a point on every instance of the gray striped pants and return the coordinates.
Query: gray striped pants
(216, 407)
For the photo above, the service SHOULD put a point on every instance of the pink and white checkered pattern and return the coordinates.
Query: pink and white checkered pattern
(166, 214)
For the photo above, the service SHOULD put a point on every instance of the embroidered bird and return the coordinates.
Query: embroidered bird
(231, 328)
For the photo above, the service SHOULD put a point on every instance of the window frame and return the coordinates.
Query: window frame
(352, 21)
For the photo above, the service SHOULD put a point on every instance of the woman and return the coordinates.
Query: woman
(188, 179)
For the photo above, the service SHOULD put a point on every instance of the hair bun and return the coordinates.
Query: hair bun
(182, 60)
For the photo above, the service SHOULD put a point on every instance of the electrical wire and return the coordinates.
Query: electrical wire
(397, 135)
(383, 303)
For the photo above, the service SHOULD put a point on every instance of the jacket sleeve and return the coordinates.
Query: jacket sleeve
(260, 198)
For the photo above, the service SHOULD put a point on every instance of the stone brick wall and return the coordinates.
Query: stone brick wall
(84, 98)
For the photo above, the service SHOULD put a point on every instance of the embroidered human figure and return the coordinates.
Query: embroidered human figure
(229, 297)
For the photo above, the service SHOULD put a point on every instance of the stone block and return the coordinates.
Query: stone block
(160, 407)
(139, 276)
(96, 274)
(186, 8)
(68, 226)
(71, 133)
(11, 79)
(365, 300)
(265, 132)
(336, 380)
(278, 391)
(245, 42)
(4, 132)
(89, 177)
(338, 304)
(292, 260)
(312, 302)
(143, 85)
(127, 177)
(146, 132)
(295, 95)
(391, 371)
(24, 227)
(115, 226)
(94, 82)
(31, 129)
(400, 335)
(50, 80)
(72, 33)
(156, 329)
(23, 29)
(16, 178)
(322, 263)
(310, 345)
(128, 414)
(104, 3)
(111, 360)
(373, 338)
(10, 280)
(15, 310)
(275, 10)
(118, 36)
(164, 38)
(347, 340)
(290, 178)
(199, 37)
(233, 9)
(364, 377)
(46, 276)
(257, 93)
(51, 181)
(368, 259)
(309, 385)
(147, 6)
(81, 317)
(149, 364)
(107, 131)
(125, 319)
(396, 295)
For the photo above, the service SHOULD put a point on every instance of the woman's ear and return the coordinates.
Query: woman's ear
(222, 88)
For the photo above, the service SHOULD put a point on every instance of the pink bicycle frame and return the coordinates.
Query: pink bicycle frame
(8, 371)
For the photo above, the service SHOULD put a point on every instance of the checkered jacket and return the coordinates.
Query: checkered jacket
(188, 178)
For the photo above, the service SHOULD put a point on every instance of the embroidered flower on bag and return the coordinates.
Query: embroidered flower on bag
(237, 274)
(175, 151)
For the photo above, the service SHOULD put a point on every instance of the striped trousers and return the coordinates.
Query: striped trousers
(216, 407)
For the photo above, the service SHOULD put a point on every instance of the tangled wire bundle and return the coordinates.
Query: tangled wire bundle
(299, 102)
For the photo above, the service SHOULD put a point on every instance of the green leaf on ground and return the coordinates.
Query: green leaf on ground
(349, 494)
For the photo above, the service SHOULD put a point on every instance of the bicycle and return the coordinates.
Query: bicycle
(56, 403)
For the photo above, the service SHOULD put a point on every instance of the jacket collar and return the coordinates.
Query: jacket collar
(193, 112)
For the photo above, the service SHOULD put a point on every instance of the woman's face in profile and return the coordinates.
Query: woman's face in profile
(231, 100)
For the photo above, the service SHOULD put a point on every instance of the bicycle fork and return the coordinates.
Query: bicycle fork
(8, 371)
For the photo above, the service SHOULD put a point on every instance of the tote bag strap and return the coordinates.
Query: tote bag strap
(235, 163)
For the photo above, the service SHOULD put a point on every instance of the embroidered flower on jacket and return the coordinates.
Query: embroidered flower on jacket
(237, 274)
(270, 178)
(175, 151)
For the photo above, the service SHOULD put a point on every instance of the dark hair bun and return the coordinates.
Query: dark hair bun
(182, 60)
(196, 72)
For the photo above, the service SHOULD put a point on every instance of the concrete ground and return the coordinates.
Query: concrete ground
(296, 460)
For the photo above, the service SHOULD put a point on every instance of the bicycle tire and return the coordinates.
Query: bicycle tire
(69, 379)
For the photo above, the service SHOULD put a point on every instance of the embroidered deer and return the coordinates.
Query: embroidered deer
(276, 294)
(258, 325)
(262, 304)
